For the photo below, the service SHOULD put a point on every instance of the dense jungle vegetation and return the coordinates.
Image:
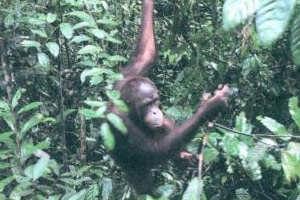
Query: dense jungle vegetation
(59, 59)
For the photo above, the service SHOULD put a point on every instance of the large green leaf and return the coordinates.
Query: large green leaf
(193, 190)
(108, 137)
(30, 43)
(80, 38)
(295, 110)
(275, 127)
(272, 19)
(4, 182)
(38, 170)
(295, 38)
(237, 11)
(30, 106)
(79, 196)
(43, 60)
(51, 17)
(17, 96)
(83, 16)
(67, 30)
(117, 122)
(291, 161)
(90, 49)
(53, 48)
(33, 121)
(107, 188)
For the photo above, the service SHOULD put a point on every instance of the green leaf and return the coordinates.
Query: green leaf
(43, 60)
(36, 21)
(113, 94)
(272, 19)
(38, 170)
(51, 17)
(236, 12)
(295, 110)
(17, 96)
(117, 122)
(108, 22)
(90, 49)
(95, 103)
(295, 38)
(242, 194)
(80, 38)
(117, 58)
(9, 20)
(53, 48)
(98, 33)
(40, 33)
(112, 40)
(121, 105)
(107, 188)
(89, 113)
(40, 167)
(108, 137)
(4, 137)
(193, 190)
(67, 30)
(93, 72)
(79, 196)
(275, 127)
(4, 166)
(82, 25)
(83, 16)
(4, 105)
(230, 144)
(33, 121)
(5, 182)
(291, 161)
(30, 43)
(30, 106)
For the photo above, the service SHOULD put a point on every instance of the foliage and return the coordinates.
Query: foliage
(55, 134)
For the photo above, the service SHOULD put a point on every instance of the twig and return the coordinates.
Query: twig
(83, 140)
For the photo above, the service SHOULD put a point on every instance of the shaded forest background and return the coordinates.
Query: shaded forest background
(59, 59)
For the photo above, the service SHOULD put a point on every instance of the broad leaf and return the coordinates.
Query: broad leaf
(4, 105)
(67, 30)
(43, 60)
(5, 182)
(29, 107)
(107, 188)
(273, 18)
(275, 127)
(33, 121)
(117, 122)
(30, 43)
(95, 103)
(193, 190)
(53, 48)
(238, 11)
(98, 33)
(295, 38)
(79, 196)
(291, 161)
(83, 16)
(17, 96)
(51, 17)
(108, 137)
(80, 38)
(40, 167)
(90, 49)
(40, 33)
(295, 110)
